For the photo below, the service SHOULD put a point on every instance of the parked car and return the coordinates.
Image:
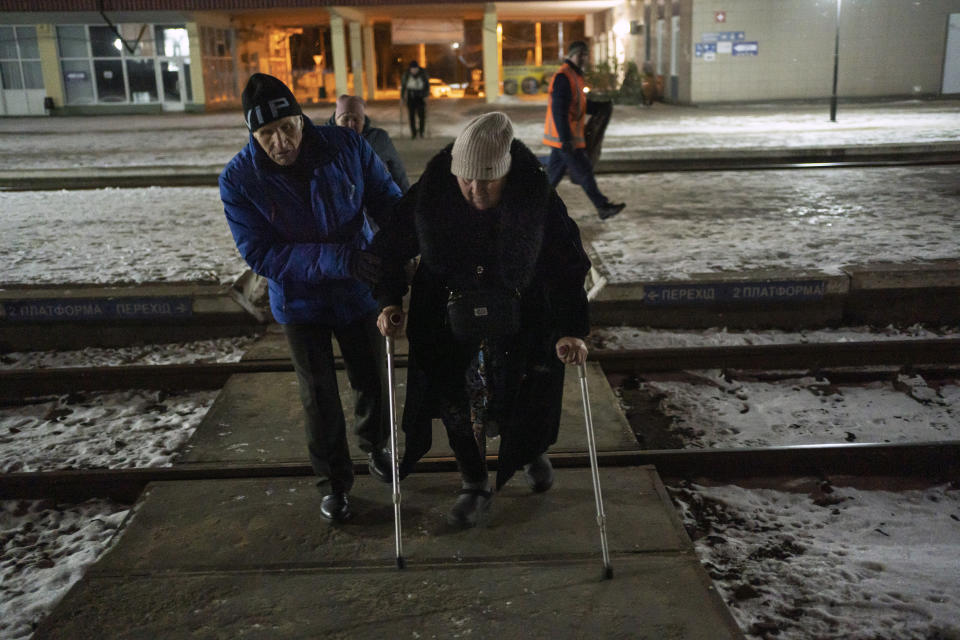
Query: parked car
(439, 88)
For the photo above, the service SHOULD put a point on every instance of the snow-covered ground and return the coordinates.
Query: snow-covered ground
(212, 139)
(835, 562)
(46, 549)
(116, 236)
(214, 350)
(103, 430)
(675, 226)
(707, 410)
(710, 411)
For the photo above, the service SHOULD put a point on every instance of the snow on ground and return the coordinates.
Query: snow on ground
(837, 564)
(212, 139)
(105, 430)
(215, 350)
(47, 548)
(712, 412)
(708, 410)
(677, 225)
(117, 236)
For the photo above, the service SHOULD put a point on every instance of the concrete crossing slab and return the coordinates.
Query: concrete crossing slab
(258, 418)
(275, 522)
(245, 558)
(659, 597)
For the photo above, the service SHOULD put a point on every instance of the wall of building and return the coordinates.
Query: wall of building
(887, 48)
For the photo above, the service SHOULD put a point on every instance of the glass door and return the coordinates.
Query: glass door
(21, 81)
(174, 82)
(173, 67)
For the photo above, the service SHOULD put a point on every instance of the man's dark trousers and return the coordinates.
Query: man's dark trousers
(364, 358)
(417, 107)
(581, 173)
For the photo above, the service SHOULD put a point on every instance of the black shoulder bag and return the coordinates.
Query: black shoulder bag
(483, 313)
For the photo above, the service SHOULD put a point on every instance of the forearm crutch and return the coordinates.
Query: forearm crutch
(398, 542)
(594, 472)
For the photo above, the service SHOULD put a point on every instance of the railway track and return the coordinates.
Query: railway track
(924, 459)
(941, 356)
(939, 460)
(803, 158)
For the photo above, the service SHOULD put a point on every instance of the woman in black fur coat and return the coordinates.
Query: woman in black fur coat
(483, 217)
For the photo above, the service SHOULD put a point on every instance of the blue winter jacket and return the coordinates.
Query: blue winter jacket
(303, 247)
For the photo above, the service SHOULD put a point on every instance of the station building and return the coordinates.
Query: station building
(145, 56)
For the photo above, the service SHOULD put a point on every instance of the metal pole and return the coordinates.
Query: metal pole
(398, 542)
(594, 472)
(836, 67)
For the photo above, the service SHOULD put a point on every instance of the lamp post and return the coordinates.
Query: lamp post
(836, 67)
(456, 60)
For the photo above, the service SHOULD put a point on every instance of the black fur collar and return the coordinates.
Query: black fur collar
(441, 217)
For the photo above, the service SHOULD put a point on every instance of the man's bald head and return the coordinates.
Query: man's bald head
(350, 112)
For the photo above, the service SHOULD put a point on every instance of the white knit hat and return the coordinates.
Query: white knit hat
(482, 150)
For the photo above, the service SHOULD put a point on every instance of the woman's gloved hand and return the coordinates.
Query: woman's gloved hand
(390, 321)
(571, 350)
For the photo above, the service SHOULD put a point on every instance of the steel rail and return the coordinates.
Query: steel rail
(809, 356)
(938, 460)
(18, 385)
(46, 180)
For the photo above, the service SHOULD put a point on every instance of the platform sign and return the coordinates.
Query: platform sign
(723, 36)
(702, 48)
(91, 309)
(746, 48)
(732, 36)
(735, 292)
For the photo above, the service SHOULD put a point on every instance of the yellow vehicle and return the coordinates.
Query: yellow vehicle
(528, 79)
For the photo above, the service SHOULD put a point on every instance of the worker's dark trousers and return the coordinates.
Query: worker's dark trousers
(581, 173)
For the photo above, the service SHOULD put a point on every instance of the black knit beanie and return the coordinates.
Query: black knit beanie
(266, 99)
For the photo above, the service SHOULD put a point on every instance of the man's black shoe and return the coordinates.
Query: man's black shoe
(379, 463)
(335, 507)
(610, 209)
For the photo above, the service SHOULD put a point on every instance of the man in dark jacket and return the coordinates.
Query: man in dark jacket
(351, 112)
(297, 199)
(563, 129)
(414, 90)
(483, 217)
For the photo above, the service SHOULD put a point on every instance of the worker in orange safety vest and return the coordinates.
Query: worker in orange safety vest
(563, 129)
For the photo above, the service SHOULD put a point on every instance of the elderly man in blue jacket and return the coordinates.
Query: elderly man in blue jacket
(303, 203)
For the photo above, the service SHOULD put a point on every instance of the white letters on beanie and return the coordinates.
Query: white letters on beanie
(482, 150)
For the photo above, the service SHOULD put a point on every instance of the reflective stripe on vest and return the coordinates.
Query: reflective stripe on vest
(576, 115)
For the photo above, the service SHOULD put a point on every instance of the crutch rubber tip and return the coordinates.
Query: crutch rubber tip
(608, 573)
(401, 563)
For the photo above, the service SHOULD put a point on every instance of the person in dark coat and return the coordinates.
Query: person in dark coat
(484, 217)
(414, 91)
(297, 199)
(351, 112)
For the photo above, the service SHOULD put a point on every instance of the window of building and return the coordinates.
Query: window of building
(219, 69)
(129, 63)
(20, 58)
